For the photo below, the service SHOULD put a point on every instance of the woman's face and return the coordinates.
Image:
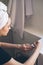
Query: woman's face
(6, 28)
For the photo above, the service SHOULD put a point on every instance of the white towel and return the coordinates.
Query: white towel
(3, 6)
(3, 15)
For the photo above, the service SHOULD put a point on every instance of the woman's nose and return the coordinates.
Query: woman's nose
(9, 28)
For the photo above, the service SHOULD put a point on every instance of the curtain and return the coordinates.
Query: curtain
(12, 10)
(17, 9)
(28, 6)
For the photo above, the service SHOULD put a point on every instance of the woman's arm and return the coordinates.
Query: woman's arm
(32, 59)
(19, 46)
(9, 45)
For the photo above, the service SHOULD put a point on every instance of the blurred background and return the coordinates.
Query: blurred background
(27, 26)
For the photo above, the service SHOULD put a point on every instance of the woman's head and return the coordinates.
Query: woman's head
(5, 20)
(4, 31)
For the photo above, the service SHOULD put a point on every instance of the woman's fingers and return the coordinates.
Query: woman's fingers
(26, 47)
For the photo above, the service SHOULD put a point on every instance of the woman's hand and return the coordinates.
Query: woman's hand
(26, 47)
(37, 45)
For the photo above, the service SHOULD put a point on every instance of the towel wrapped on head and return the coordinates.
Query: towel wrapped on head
(3, 15)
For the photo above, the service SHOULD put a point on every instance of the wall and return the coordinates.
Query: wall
(36, 20)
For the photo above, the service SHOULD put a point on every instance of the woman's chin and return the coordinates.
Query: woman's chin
(5, 34)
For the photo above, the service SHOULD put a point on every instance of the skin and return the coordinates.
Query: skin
(31, 61)
(4, 31)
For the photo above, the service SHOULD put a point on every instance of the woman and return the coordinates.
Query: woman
(5, 59)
